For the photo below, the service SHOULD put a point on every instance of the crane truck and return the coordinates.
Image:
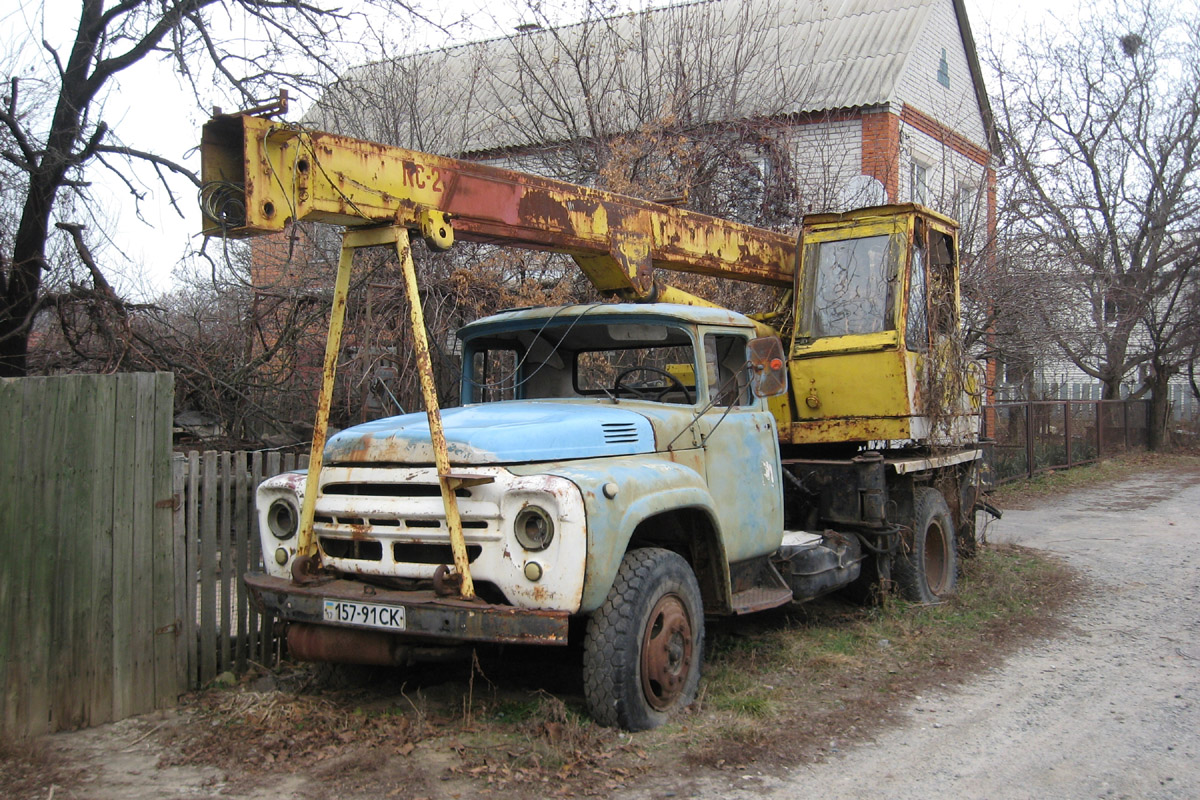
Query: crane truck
(633, 466)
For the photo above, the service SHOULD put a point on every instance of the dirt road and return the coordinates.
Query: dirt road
(1112, 709)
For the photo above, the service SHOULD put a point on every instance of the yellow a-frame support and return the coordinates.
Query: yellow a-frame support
(352, 240)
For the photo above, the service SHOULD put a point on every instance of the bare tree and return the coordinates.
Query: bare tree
(52, 119)
(686, 105)
(682, 103)
(1101, 123)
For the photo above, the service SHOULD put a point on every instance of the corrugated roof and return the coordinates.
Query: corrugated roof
(703, 62)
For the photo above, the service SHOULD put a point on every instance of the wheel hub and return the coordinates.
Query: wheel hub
(666, 652)
(935, 558)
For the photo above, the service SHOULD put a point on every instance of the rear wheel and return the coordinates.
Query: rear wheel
(644, 645)
(968, 497)
(926, 569)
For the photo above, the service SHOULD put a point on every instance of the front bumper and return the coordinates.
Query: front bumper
(428, 617)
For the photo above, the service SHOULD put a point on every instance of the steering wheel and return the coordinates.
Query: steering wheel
(655, 393)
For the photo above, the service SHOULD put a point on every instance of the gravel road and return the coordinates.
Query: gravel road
(1111, 709)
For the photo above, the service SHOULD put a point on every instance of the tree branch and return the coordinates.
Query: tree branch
(153, 158)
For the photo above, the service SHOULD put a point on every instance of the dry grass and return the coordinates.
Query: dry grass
(822, 675)
(781, 686)
(30, 770)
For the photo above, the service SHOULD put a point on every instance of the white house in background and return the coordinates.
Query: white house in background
(842, 104)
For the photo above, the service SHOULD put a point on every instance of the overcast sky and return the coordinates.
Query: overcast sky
(152, 110)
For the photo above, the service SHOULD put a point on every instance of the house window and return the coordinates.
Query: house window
(919, 181)
(943, 73)
(965, 205)
(766, 172)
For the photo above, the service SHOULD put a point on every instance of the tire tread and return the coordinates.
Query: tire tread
(608, 667)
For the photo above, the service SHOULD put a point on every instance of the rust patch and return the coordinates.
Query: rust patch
(360, 453)
(586, 206)
(545, 211)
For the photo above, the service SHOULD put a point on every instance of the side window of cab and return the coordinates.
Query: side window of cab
(725, 369)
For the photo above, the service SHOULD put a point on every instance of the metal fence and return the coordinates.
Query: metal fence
(1039, 435)
(1182, 406)
(216, 521)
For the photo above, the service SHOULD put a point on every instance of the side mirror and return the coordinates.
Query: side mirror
(768, 367)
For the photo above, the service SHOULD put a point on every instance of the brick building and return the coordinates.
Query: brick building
(828, 105)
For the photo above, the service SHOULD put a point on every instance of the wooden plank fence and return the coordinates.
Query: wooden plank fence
(89, 612)
(120, 585)
(215, 518)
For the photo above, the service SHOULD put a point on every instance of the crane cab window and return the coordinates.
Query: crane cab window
(850, 286)
(932, 305)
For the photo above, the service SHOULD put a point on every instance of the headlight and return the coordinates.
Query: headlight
(282, 519)
(534, 528)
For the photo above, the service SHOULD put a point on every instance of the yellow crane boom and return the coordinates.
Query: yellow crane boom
(259, 175)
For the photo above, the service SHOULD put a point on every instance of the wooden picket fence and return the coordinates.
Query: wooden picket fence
(89, 612)
(215, 518)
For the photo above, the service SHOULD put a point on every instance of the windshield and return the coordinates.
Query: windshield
(577, 357)
(850, 286)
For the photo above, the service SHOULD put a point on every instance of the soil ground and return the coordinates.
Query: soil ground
(1096, 697)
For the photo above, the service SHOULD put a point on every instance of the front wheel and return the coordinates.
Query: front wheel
(926, 569)
(644, 645)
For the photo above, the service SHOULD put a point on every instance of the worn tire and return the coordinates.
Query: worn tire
(926, 568)
(643, 646)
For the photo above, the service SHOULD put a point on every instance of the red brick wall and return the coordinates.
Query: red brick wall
(949, 138)
(881, 150)
(270, 265)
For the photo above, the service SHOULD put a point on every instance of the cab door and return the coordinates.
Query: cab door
(741, 451)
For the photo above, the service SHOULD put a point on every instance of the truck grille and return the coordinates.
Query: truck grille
(407, 553)
(389, 489)
(393, 522)
(352, 548)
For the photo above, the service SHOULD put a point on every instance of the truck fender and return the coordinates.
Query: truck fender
(602, 571)
(644, 489)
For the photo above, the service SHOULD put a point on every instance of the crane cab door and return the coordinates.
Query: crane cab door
(945, 384)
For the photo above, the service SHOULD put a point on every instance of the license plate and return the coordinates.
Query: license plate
(367, 615)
